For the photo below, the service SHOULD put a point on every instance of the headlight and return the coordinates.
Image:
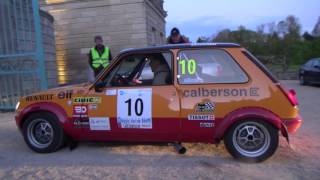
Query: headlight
(17, 105)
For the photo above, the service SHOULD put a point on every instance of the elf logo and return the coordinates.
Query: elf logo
(65, 94)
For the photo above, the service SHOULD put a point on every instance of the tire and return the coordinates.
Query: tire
(43, 133)
(302, 80)
(239, 140)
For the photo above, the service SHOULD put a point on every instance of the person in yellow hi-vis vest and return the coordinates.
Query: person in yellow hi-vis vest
(99, 56)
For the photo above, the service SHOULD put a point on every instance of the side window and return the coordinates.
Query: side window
(141, 69)
(122, 70)
(208, 66)
(316, 63)
(309, 63)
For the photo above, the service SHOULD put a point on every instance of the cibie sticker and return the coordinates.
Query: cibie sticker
(99, 124)
(205, 107)
(201, 117)
(134, 108)
(87, 100)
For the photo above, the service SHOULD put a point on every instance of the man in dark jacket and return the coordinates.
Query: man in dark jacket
(176, 38)
(99, 56)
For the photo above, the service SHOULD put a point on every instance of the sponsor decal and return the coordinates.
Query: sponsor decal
(93, 106)
(87, 100)
(134, 107)
(80, 111)
(206, 125)
(69, 102)
(225, 92)
(46, 97)
(111, 92)
(65, 94)
(201, 117)
(99, 123)
(254, 91)
(205, 107)
(81, 123)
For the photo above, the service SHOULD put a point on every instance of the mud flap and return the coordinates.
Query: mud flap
(284, 132)
(71, 143)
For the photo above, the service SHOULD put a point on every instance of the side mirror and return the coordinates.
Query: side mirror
(99, 86)
(317, 66)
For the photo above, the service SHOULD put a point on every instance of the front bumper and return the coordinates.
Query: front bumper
(293, 124)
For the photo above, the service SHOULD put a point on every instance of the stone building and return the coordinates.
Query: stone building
(121, 23)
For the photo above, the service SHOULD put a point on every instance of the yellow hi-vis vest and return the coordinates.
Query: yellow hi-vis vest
(98, 60)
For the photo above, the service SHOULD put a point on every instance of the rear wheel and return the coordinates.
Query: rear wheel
(252, 140)
(43, 133)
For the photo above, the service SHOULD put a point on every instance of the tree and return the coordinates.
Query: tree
(276, 43)
(316, 29)
(203, 39)
(307, 36)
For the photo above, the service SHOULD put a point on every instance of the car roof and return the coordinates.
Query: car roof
(182, 46)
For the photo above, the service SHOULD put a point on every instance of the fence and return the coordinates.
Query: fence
(22, 69)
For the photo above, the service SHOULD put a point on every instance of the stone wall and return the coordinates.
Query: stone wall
(121, 23)
(155, 22)
(48, 41)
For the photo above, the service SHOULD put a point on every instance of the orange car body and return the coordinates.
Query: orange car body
(176, 109)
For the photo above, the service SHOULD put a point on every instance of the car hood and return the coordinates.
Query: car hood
(76, 88)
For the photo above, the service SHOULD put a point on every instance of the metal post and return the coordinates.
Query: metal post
(39, 47)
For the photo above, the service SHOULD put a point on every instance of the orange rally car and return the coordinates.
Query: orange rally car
(174, 93)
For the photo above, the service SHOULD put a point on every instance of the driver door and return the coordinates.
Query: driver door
(135, 112)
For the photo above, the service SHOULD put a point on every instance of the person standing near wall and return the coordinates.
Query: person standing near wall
(176, 38)
(99, 56)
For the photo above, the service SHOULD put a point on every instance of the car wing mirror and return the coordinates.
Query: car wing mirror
(317, 66)
(98, 87)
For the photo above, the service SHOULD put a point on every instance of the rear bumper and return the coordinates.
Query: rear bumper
(293, 124)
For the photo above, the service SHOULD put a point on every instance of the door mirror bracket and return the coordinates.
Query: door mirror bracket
(98, 87)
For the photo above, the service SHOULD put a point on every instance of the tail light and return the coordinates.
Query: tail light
(290, 94)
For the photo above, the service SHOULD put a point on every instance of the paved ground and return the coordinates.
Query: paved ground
(104, 161)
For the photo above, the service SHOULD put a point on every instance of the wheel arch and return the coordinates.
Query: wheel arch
(49, 107)
(249, 113)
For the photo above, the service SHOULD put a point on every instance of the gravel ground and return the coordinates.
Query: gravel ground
(202, 161)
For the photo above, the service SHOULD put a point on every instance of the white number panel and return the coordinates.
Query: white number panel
(134, 107)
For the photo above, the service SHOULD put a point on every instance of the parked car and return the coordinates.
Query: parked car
(309, 73)
(196, 93)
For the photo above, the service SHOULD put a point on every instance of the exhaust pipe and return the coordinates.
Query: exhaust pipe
(179, 148)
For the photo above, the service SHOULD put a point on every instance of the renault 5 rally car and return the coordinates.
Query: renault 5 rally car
(173, 93)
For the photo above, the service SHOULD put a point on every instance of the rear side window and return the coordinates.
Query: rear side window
(309, 63)
(316, 62)
(208, 66)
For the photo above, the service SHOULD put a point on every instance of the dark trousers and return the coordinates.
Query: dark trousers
(97, 71)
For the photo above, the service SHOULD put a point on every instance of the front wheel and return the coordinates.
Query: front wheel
(252, 140)
(43, 133)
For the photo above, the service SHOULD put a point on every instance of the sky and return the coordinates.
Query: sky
(197, 18)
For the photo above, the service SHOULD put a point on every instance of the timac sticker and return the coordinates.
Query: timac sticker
(99, 124)
(206, 125)
(87, 100)
(205, 107)
(201, 117)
